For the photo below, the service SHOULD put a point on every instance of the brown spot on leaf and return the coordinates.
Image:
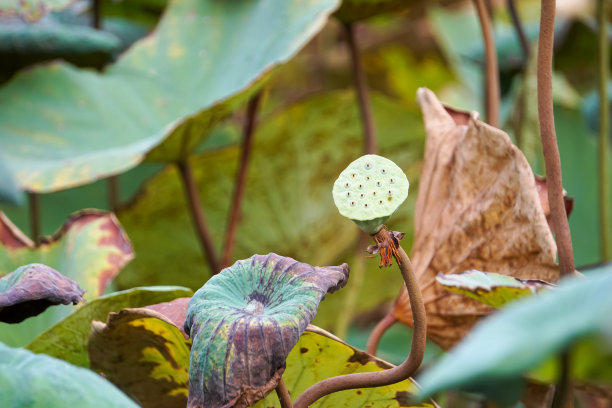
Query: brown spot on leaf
(404, 399)
(303, 350)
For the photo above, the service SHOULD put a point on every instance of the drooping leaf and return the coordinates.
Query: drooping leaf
(31, 10)
(477, 208)
(319, 355)
(33, 380)
(160, 99)
(31, 289)
(527, 332)
(144, 354)
(287, 197)
(244, 322)
(68, 339)
(490, 288)
(91, 248)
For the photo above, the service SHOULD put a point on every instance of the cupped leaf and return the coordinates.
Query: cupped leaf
(319, 355)
(492, 289)
(369, 191)
(31, 289)
(33, 380)
(144, 354)
(245, 321)
(91, 248)
(162, 97)
(477, 208)
(519, 337)
(68, 339)
(31, 10)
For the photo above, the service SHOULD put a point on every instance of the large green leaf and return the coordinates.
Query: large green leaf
(9, 191)
(144, 354)
(159, 100)
(288, 207)
(30, 289)
(490, 288)
(319, 355)
(91, 248)
(521, 336)
(245, 320)
(31, 380)
(68, 339)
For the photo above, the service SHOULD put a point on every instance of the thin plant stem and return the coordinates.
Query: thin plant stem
(34, 204)
(96, 14)
(492, 92)
(560, 226)
(604, 133)
(558, 215)
(234, 214)
(378, 331)
(395, 374)
(361, 87)
(197, 215)
(283, 394)
(563, 389)
(520, 32)
(112, 184)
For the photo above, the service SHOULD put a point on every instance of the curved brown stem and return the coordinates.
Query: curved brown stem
(197, 216)
(234, 216)
(361, 87)
(558, 215)
(283, 394)
(381, 327)
(492, 92)
(393, 375)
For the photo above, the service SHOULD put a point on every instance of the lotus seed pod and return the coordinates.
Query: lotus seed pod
(369, 191)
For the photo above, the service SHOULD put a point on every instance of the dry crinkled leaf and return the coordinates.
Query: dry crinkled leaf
(477, 208)
(245, 321)
(492, 289)
(143, 353)
(31, 289)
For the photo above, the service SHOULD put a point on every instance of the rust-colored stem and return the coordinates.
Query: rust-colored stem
(560, 225)
(96, 14)
(34, 217)
(234, 215)
(361, 86)
(380, 329)
(518, 27)
(492, 92)
(385, 377)
(283, 394)
(604, 133)
(113, 193)
(197, 215)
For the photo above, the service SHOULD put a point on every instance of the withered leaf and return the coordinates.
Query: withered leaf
(477, 208)
(31, 289)
(244, 322)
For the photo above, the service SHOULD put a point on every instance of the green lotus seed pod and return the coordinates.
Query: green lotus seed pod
(369, 191)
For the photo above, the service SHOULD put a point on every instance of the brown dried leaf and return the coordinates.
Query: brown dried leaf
(477, 208)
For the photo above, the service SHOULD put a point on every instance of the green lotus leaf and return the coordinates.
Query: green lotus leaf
(63, 126)
(31, 289)
(522, 335)
(319, 355)
(90, 248)
(244, 322)
(68, 339)
(9, 191)
(492, 289)
(369, 191)
(31, 10)
(33, 380)
(145, 354)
